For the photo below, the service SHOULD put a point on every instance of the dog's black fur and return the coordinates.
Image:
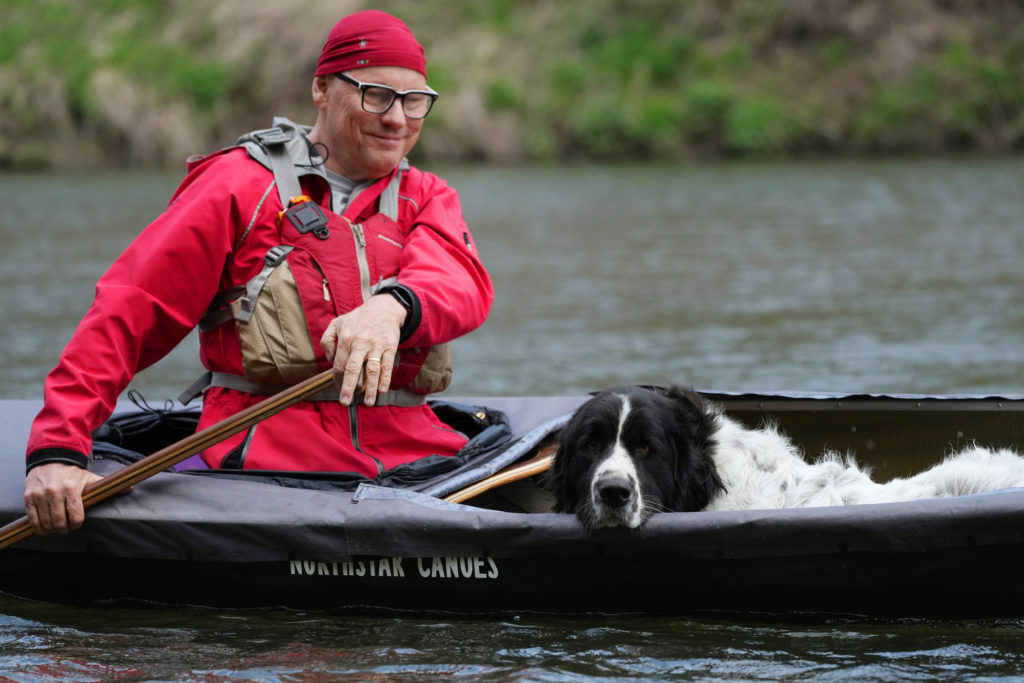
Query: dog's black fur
(668, 434)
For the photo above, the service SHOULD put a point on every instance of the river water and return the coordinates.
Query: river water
(857, 276)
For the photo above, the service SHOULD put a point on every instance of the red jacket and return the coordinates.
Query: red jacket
(214, 236)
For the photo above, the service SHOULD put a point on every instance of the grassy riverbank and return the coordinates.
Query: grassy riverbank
(147, 83)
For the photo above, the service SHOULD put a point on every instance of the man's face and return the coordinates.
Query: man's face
(362, 145)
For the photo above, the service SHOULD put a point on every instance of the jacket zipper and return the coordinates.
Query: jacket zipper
(323, 277)
(353, 421)
(364, 284)
(364, 279)
(364, 264)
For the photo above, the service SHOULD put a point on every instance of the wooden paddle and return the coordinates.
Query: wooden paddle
(124, 479)
(535, 465)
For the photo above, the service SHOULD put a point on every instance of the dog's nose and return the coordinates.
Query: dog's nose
(614, 492)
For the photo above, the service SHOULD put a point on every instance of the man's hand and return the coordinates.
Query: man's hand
(366, 337)
(53, 497)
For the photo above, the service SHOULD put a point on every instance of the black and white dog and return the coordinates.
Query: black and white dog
(632, 451)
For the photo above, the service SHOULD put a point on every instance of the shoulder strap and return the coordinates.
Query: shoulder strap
(389, 197)
(272, 150)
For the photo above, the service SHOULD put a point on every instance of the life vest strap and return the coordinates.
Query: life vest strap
(402, 398)
(273, 140)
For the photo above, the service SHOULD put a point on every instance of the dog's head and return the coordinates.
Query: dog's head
(632, 451)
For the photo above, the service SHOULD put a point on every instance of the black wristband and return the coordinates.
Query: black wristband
(46, 456)
(411, 303)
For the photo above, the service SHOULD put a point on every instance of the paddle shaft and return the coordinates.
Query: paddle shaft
(539, 463)
(145, 468)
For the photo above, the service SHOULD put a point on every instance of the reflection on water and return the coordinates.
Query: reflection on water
(857, 276)
(57, 644)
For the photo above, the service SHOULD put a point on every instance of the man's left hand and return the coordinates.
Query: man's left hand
(363, 344)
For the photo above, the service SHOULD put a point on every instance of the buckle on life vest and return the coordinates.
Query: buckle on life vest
(306, 215)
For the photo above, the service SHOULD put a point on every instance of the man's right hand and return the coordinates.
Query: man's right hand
(53, 497)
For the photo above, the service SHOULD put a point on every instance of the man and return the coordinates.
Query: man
(318, 247)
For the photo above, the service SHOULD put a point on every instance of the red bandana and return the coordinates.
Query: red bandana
(370, 38)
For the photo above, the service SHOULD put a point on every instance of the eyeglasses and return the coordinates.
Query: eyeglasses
(377, 98)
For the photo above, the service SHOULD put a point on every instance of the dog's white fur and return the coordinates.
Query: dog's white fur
(762, 469)
(619, 465)
(719, 464)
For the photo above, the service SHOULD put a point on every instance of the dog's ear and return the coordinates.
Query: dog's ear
(557, 480)
(697, 480)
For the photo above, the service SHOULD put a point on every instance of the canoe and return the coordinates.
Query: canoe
(202, 538)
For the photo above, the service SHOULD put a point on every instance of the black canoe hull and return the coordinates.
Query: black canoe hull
(959, 583)
(192, 540)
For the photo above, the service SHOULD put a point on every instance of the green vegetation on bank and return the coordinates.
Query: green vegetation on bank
(147, 82)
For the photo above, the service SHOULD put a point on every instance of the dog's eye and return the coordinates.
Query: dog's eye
(642, 450)
(592, 446)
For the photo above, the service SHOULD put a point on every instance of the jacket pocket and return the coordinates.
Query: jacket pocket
(277, 342)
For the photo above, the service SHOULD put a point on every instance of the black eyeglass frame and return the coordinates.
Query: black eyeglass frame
(431, 94)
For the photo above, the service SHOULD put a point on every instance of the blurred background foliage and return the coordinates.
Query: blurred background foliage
(149, 82)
